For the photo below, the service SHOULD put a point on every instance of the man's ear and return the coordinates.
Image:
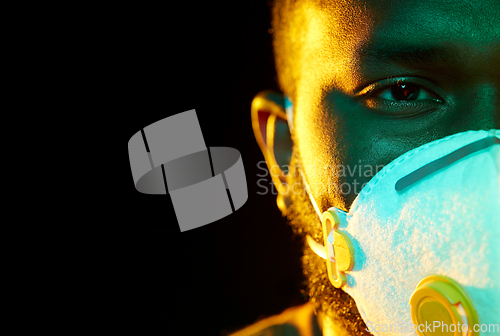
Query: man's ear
(271, 129)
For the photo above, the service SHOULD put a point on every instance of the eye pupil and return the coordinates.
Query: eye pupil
(405, 91)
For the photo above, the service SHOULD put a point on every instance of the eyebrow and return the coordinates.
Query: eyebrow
(406, 54)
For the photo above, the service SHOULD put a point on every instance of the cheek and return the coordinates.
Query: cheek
(341, 147)
(317, 136)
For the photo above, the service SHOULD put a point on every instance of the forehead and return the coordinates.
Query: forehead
(433, 12)
(342, 35)
(460, 20)
(473, 23)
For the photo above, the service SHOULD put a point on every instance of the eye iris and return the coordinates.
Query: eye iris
(405, 91)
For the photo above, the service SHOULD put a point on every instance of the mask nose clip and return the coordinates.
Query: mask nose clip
(340, 251)
(442, 303)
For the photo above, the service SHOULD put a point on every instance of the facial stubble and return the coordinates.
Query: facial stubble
(326, 299)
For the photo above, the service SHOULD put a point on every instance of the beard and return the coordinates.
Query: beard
(327, 300)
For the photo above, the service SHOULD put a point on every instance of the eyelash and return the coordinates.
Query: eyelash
(370, 95)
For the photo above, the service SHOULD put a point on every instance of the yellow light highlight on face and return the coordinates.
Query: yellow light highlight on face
(327, 62)
(333, 35)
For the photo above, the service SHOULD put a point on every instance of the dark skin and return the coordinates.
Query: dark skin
(405, 74)
(379, 78)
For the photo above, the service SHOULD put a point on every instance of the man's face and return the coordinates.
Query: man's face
(383, 77)
(377, 79)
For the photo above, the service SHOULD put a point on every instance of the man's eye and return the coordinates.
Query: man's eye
(405, 92)
(401, 96)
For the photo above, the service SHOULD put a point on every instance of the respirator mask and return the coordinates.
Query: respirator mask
(419, 249)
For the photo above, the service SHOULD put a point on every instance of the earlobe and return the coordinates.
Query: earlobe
(270, 114)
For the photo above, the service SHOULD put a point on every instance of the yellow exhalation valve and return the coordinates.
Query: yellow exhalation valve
(441, 302)
(340, 252)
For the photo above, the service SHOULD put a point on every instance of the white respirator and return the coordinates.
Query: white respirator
(419, 250)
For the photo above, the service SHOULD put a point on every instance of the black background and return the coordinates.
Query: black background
(212, 57)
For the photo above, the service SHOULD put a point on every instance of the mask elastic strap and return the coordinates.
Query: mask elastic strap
(311, 198)
(315, 246)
